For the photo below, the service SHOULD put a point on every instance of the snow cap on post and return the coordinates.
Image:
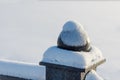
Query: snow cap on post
(73, 37)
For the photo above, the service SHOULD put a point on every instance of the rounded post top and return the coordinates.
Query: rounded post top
(73, 37)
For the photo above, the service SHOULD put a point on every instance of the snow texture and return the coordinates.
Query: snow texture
(22, 70)
(92, 75)
(73, 34)
(71, 58)
(23, 37)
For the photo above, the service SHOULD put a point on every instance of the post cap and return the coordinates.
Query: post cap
(73, 37)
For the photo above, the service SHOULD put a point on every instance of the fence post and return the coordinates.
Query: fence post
(66, 61)
(62, 72)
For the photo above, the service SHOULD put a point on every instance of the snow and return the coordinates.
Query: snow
(22, 70)
(72, 58)
(73, 34)
(92, 75)
(72, 25)
(29, 27)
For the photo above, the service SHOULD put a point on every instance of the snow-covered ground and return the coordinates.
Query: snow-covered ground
(29, 27)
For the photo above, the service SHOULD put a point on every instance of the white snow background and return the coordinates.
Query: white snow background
(29, 27)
